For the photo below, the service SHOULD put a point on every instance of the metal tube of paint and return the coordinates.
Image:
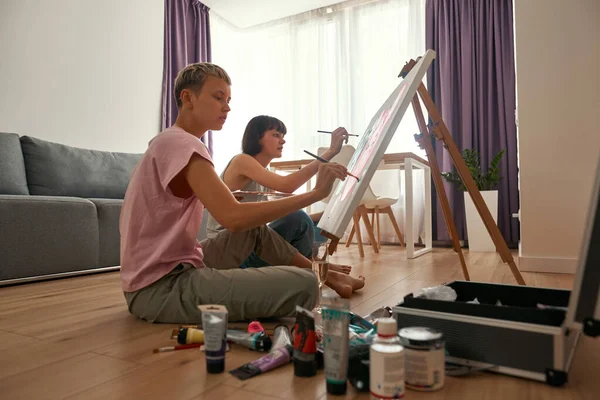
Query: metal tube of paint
(281, 337)
(214, 322)
(336, 319)
(305, 344)
(383, 312)
(256, 341)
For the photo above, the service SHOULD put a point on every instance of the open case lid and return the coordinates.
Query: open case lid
(584, 304)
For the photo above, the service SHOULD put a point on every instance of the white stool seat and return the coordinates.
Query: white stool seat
(380, 202)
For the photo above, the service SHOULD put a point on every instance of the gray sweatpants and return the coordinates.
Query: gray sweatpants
(250, 293)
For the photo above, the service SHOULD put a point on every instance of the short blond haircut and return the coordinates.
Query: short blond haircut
(193, 77)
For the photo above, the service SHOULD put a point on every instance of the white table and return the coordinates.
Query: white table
(402, 161)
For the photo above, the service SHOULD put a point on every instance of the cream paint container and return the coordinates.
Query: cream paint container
(424, 358)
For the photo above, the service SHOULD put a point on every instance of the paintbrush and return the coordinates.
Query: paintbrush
(325, 161)
(330, 132)
(180, 347)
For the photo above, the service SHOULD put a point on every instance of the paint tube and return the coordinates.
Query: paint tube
(281, 337)
(190, 335)
(274, 359)
(383, 312)
(357, 339)
(336, 319)
(227, 349)
(305, 345)
(256, 341)
(214, 322)
(359, 324)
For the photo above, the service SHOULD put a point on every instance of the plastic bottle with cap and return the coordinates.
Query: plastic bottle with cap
(386, 375)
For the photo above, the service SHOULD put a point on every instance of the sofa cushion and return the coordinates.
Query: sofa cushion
(58, 170)
(43, 235)
(109, 211)
(12, 168)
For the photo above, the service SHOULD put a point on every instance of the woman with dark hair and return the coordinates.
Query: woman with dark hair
(263, 141)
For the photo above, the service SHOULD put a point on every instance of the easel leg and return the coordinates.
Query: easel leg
(349, 240)
(365, 218)
(425, 142)
(333, 244)
(356, 218)
(441, 132)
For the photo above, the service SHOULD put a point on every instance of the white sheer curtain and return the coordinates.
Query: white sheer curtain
(320, 71)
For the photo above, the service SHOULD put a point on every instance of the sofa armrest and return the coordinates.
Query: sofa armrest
(109, 212)
(42, 235)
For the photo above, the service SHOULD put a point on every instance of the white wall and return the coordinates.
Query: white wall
(558, 95)
(86, 73)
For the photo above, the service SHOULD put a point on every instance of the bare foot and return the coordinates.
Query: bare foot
(344, 269)
(343, 284)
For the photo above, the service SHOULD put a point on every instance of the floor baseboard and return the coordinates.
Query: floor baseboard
(546, 264)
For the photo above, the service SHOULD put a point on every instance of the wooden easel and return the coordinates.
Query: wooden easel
(334, 241)
(439, 130)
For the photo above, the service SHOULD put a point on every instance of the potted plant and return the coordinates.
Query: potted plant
(477, 235)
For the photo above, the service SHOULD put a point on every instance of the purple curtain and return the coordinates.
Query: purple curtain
(472, 82)
(187, 41)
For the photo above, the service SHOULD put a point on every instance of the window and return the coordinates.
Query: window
(318, 72)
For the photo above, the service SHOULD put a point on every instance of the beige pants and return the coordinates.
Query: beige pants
(250, 293)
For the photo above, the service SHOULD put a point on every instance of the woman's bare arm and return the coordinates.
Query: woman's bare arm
(248, 167)
(235, 216)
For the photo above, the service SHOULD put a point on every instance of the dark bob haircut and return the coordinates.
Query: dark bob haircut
(256, 129)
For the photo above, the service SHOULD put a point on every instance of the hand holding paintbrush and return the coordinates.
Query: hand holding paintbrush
(326, 161)
(339, 137)
(326, 178)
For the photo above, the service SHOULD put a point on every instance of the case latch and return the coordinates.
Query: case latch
(591, 327)
(555, 377)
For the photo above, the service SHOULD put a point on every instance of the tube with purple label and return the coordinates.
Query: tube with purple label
(274, 359)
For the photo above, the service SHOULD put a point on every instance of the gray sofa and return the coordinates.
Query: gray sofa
(59, 208)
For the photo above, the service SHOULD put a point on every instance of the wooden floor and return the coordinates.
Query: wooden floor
(73, 338)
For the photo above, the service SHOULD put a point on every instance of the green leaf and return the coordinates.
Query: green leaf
(483, 181)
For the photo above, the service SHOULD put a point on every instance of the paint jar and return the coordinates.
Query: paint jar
(424, 358)
(386, 374)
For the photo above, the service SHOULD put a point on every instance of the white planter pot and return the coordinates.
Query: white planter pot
(477, 234)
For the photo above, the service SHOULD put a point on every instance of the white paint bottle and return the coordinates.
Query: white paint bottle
(386, 371)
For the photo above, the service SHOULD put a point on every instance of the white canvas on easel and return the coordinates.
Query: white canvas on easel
(369, 152)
